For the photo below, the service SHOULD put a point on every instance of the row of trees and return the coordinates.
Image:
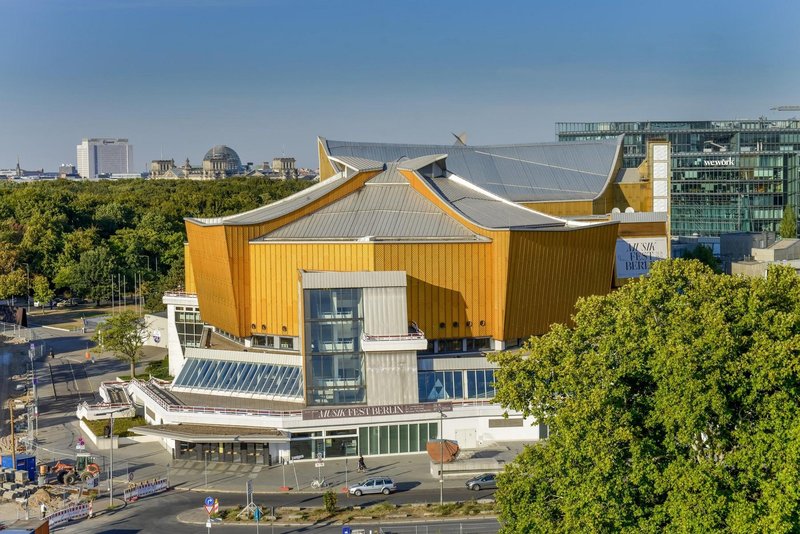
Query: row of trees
(673, 405)
(74, 236)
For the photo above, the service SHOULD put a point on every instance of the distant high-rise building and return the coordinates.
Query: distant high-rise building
(104, 157)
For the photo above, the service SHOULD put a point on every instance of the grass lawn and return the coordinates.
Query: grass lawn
(352, 512)
(157, 369)
(121, 425)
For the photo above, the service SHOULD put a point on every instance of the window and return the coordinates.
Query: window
(436, 385)
(333, 327)
(480, 343)
(287, 343)
(480, 383)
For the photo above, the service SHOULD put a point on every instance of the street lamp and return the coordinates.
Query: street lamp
(111, 456)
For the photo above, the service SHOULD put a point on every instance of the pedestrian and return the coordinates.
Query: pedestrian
(52, 354)
(43, 508)
(361, 465)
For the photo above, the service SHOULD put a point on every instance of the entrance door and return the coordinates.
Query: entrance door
(467, 438)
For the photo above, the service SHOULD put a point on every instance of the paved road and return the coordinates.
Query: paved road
(160, 514)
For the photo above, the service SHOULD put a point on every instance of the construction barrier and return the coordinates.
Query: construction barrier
(143, 489)
(72, 513)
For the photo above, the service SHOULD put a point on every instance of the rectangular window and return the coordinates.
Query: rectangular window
(413, 438)
(287, 343)
(393, 437)
(403, 438)
(363, 440)
(384, 437)
(423, 436)
(374, 440)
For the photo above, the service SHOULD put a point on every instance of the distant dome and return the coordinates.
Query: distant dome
(226, 153)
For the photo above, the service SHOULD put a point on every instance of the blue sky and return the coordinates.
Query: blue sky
(267, 77)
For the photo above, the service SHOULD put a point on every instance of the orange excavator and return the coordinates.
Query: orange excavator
(83, 469)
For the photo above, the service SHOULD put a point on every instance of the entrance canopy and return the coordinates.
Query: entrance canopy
(194, 433)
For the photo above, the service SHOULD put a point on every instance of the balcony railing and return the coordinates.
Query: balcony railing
(414, 339)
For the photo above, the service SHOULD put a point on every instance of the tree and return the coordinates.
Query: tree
(13, 283)
(672, 405)
(788, 226)
(93, 274)
(704, 255)
(42, 292)
(124, 334)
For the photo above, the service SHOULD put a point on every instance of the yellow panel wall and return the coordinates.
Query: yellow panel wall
(638, 196)
(212, 275)
(550, 270)
(274, 278)
(447, 283)
(561, 209)
(221, 261)
(326, 169)
(188, 272)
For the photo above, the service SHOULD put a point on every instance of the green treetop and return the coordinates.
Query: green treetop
(124, 334)
(672, 404)
(788, 226)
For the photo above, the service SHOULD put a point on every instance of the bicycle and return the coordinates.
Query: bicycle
(318, 483)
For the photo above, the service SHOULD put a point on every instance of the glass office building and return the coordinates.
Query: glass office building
(727, 176)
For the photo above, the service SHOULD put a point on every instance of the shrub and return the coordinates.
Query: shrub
(330, 501)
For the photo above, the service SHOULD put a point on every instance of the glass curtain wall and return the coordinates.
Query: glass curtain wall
(334, 320)
(189, 326)
(712, 194)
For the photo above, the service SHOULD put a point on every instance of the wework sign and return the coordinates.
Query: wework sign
(372, 411)
(725, 162)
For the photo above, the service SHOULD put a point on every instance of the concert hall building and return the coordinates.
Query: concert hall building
(355, 316)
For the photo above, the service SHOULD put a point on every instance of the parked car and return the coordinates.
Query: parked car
(484, 481)
(373, 485)
(21, 388)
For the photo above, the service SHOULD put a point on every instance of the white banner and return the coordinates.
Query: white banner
(76, 511)
(143, 489)
(635, 255)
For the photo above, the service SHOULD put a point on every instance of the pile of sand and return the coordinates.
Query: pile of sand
(42, 496)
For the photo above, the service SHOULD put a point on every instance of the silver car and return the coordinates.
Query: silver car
(484, 481)
(373, 485)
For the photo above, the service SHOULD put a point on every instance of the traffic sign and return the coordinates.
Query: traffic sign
(319, 464)
(130, 476)
(346, 530)
(208, 504)
(257, 514)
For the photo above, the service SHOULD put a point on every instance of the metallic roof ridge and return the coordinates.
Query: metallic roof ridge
(414, 164)
(461, 181)
(213, 221)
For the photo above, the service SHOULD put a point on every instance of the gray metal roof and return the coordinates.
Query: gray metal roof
(388, 208)
(277, 209)
(519, 173)
(422, 161)
(487, 211)
(359, 164)
(381, 209)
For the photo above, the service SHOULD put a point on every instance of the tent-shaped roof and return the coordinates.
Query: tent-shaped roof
(519, 173)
